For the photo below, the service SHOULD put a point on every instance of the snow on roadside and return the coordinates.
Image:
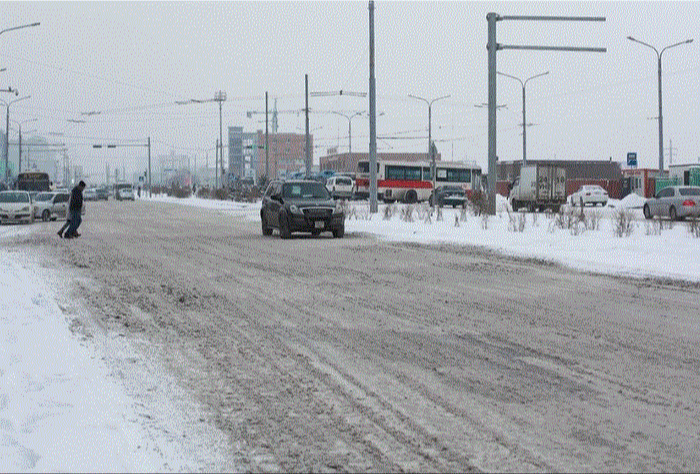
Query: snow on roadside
(61, 408)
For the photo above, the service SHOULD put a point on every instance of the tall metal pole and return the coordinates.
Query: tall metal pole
(373, 207)
(149, 167)
(659, 54)
(19, 163)
(308, 137)
(221, 145)
(661, 122)
(267, 144)
(492, 47)
(7, 134)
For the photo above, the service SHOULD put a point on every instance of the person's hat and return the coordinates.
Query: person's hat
(82, 183)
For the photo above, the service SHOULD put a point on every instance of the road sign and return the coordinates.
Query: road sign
(632, 159)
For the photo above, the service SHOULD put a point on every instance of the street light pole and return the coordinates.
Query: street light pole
(19, 124)
(7, 134)
(349, 118)
(661, 117)
(431, 155)
(523, 84)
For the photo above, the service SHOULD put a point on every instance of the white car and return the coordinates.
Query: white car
(341, 186)
(16, 206)
(51, 205)
(589, 195)
(125, 194)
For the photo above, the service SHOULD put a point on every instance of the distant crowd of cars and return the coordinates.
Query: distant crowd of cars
(29, 206)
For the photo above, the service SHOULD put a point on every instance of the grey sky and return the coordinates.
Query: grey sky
(123, 59)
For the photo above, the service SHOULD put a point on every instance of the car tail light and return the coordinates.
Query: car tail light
(689, 203)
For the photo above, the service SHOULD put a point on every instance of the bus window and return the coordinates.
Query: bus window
(394, 172)
(441, 174)
(412, 173)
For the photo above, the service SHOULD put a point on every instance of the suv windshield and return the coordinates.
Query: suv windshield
(306, 190)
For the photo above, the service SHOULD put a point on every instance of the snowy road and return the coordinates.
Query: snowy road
(361, 355)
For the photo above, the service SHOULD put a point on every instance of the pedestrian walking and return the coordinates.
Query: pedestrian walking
(74, 208)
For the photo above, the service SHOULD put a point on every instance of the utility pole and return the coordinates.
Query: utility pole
(373, 208)
(267, 144)
(149, 167)
(308, 137)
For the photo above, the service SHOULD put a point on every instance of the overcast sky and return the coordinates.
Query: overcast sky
(131, 61)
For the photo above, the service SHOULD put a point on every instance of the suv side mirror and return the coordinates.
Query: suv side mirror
(277, 197)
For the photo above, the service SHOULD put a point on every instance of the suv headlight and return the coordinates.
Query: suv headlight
(295, 209)
(338, 208)
(26, 208)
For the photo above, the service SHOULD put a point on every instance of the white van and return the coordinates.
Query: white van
(341, 186)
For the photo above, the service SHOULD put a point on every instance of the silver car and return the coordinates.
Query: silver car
(675, 202)
(51, 205)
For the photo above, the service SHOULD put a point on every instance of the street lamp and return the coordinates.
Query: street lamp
(661, 117)
(430, 143)
(7, 133)
(349, 117)
(19, 124)
(523, 84)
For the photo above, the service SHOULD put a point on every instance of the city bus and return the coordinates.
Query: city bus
(410, 181)
(33, 181)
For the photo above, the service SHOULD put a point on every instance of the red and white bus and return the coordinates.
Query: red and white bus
(411, 182)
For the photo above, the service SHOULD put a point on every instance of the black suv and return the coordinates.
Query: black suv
(300, 205)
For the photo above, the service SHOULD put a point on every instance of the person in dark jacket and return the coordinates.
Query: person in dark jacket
(76, 204)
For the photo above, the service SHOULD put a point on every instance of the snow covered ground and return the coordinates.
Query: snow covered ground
(647, 252)
(62, 410)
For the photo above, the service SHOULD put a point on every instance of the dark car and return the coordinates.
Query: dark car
(300, 206)
(449, 195)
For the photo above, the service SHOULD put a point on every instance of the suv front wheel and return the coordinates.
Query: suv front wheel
(339, 232)
(266, 230)
(285, 232)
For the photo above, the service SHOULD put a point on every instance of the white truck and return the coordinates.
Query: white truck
(538, 187)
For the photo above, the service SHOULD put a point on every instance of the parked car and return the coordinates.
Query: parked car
(90, 194)
(300, 206)
(590, 194)
(675, 202)
(103, 193)
(16, 206)
(124, 192)
(51, 205)
(449, 195)
(341, 186)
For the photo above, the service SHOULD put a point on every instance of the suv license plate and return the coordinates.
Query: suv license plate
(320, 224)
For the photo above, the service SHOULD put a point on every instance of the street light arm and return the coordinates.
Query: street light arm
(677, 44)
(512, 77)
(19, 27)
(420, 99)
(645, 44)
(440, 98)
(533, 77)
